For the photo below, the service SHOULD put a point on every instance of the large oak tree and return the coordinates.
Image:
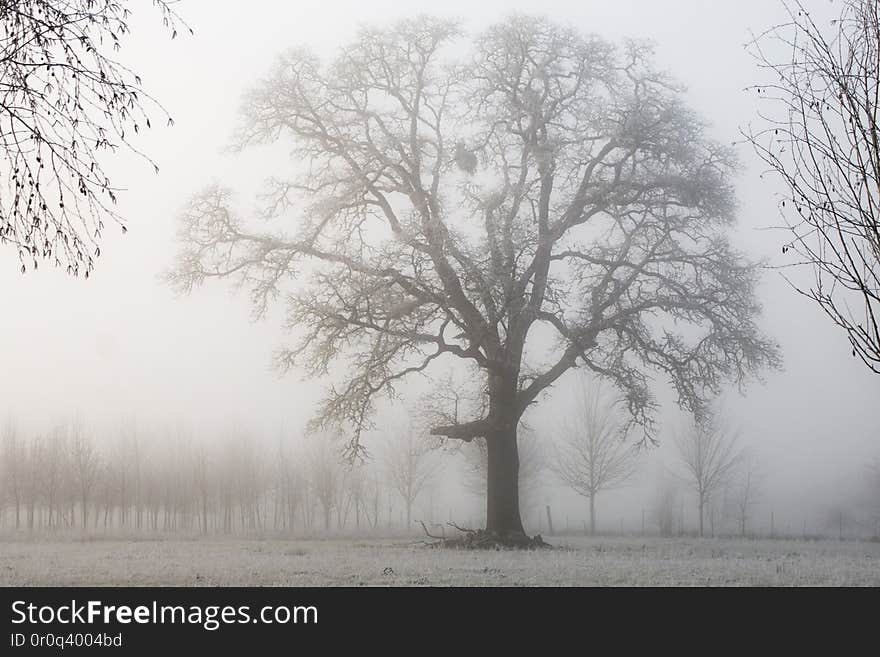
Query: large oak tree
(468, 206)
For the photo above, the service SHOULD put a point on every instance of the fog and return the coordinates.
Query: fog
(123, 348)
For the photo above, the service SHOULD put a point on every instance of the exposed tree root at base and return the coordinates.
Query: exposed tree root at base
(480, 539)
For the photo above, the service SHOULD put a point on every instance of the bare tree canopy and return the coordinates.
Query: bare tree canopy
(594, 206)
(821, 137)
(64, 101)
(591, 453)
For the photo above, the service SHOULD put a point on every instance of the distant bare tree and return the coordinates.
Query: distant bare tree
(359, 490)
(663, 506)
(874, 476)
(746, 488)
(822, 138)
(325, 472)
(591, 453)
(85, 461)
(373, 495)
(202, 481)
(411, 464)
(31, 482)
(55, 464)
(64, 100)
(585, 200)
(250, 480)
(290, 484)
(870, 498)
(13, 465)
(709, 452)
(840, 519)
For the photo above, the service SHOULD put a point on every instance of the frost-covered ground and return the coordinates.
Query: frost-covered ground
(577, 561)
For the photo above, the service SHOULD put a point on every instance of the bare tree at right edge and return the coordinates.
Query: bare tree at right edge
(821, 137)
(710, 454)
(592, 455)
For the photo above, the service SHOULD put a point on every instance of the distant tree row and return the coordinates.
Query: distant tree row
(136, 481)
(153, 482)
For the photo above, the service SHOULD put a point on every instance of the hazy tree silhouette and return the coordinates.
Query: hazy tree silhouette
(64, 101)
(747, 489)
(663, 505)
(86, 464)
(594, 208)
(410, 466)
(710, 454)
(591, 452)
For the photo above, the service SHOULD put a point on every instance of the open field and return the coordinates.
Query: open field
(616, 561)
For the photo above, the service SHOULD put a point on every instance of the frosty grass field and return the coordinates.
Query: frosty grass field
(630, 561)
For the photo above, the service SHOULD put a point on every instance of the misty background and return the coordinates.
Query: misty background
(122, 348)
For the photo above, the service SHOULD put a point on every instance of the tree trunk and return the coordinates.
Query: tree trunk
(592, 515)
(701, 516)
(502, 495)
